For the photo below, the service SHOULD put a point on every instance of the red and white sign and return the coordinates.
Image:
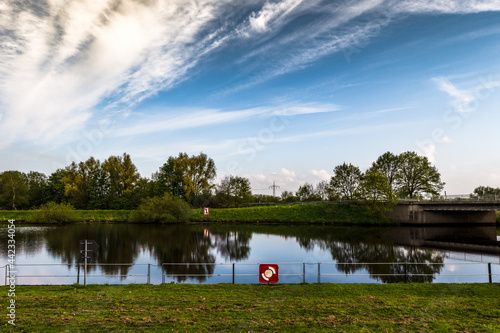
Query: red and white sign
(206, 211)
(268, 273)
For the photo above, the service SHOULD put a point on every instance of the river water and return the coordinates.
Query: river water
(197, 253)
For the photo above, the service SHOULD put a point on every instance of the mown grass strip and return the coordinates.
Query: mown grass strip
(258, 308)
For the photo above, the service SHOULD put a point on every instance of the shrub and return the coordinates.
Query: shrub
(166, 209)
(55, 213)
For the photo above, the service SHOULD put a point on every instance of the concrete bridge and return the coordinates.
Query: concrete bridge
(429, 212)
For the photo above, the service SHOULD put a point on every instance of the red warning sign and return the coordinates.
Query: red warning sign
(206, 211)
(268, 273)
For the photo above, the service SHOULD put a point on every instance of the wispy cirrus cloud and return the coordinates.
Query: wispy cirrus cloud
(187, 119)
(58, 59)
(465, 100)
(62, 63)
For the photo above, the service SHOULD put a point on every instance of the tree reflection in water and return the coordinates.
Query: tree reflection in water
(357, 257)
(352, 248)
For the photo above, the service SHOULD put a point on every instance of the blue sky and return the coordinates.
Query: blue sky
(280, 90)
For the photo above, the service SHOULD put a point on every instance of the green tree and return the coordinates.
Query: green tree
(86, 184)
(323, 190)
(346, 181)
(234, 191)
(287, 196)
(37, 188)
(306, 192)
(375, 193)
(189, 178)
(54, 189)
(13, 190)
(486, 193)
(165, 209)
(375, 186)
(417, 176)
(144, 189)
(388, 165)
(122, 176)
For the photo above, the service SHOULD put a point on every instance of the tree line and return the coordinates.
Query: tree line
(115, 183)
(391, 176)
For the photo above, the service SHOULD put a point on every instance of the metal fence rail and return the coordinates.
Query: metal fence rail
(317, 271)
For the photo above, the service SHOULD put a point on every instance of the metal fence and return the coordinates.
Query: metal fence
(247, 273)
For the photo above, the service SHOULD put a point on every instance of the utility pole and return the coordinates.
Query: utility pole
(274, 187)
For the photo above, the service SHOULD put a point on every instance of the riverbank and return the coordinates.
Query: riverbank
(257, 308)
(300, 213)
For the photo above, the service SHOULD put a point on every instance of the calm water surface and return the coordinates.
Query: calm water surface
(340, 254)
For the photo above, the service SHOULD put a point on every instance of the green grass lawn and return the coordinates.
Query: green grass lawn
(257, 308)
(301, 213)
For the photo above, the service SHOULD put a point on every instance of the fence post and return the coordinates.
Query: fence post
(319, 273)
(149, 274)
(162, 275)
(489, 271)
(303, 272)
(85, 269)
(406, 272)
(233, 272)
(6, 274)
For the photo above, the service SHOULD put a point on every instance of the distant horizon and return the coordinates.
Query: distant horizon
(279, 90)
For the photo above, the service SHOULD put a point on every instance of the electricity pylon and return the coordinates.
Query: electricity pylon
(274, 187)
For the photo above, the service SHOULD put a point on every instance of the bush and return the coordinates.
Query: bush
(55, 213)
(166, 209)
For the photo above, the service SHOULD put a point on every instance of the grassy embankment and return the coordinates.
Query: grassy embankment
(305, 213)
(257, 308)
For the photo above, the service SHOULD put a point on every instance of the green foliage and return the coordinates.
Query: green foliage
(346, 181)
(37, 184)
(287, 196)
(165, 209)
(233, 191)
(387, 164)
(54, 190)
(306, 192)
(375, 186)
(264, 198)
(122, 179)
(417, 176)
(55, 213)
(486, 193)
(187, 177)
(13, 190)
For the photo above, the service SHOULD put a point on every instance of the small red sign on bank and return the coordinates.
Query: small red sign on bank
(268, 273)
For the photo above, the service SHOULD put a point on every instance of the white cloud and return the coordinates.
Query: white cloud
(444, 6)
(272, 13)
(57, 65)
(428, 151)
(174, 121)
(446, 139)
(467, 100)
(461, 99)
(60, 60)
